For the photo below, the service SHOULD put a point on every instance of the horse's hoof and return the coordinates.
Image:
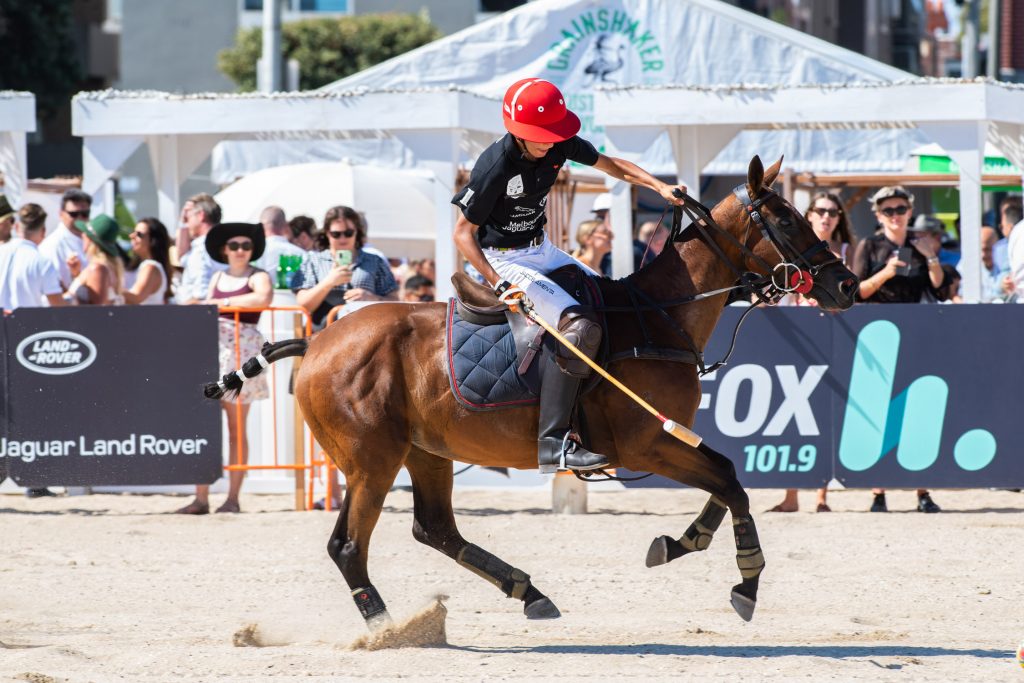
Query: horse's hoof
(541, 609)
(658, 552)
(379, 621)
(743, 605)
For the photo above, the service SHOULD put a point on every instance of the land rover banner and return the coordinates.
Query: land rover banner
(888, 396)
(110, 396)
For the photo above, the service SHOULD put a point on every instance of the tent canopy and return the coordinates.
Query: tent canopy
(962, 115)
(17, 119)
(435, 125)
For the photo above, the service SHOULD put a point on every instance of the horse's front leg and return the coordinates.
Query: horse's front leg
(707, 469)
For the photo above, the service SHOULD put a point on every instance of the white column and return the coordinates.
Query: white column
(163, 151)
(14, 164)
(628, 143)
(965, 144)
(437, 151)
(694, 147)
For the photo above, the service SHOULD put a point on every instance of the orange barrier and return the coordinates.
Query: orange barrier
(304, 448)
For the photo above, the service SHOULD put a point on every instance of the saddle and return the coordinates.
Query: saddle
(492, 352)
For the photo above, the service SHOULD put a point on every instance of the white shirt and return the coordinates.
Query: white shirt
(276, 246)
(1015, 252)
(25, 276)
(197, 273)
(156, 297)
(58, 246)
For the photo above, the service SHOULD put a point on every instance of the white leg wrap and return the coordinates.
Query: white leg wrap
(262, 361)
(241, 376)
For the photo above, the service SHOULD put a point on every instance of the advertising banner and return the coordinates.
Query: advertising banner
(98, 395)
(888, 396)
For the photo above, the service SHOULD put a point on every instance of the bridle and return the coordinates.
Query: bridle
(793, 273)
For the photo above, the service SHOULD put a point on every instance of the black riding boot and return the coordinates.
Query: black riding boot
(558, 391)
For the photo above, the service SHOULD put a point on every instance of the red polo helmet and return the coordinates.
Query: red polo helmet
(534, 110)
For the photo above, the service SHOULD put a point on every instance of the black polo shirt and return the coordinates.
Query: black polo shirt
(871, 256)
(507, 192)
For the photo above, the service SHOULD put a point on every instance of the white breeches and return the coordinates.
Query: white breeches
(527, 268)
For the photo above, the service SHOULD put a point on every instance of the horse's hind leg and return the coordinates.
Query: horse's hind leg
(349, 542)
(434, 525)
(707, 469)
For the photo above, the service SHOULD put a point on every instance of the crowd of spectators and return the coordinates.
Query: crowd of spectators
(84, 261)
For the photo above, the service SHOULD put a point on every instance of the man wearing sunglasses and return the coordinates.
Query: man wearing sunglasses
(500, 231)
(66, 243)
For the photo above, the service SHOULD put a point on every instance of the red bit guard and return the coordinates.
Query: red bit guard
(801, 282)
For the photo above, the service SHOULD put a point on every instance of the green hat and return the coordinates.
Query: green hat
(103, 231)
(5, 207)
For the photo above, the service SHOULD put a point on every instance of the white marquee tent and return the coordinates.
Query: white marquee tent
(17, 119)
(961, 116)
(436, 126)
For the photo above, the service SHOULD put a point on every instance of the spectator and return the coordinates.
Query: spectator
(198, 266)
(418, 288)
(990, 276)
(876, 262)
(183, 237)
(1009, 208)
(649, 242)
(1012, 222)
(277, 232)
(595, 242)
(66, 243)
(151, 246)
(927, 232)
(100, 282)
(28, 278)
(6, 219)
(324, 283)
(303, 229)
(602, 210)
(240, 285)
(426, 268)
(827, 217)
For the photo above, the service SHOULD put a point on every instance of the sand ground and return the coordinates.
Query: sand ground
(109, 588)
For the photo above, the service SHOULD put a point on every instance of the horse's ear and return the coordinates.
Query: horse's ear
(772, 172)
(755, 176)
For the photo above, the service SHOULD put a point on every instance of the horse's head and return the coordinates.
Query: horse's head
(785, 241)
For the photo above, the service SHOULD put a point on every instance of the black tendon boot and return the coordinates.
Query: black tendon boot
(559, 388)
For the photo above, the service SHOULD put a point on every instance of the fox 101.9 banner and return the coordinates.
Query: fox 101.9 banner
(900, 396)
(109, 396)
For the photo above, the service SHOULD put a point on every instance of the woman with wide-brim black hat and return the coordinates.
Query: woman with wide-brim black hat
(242, 285)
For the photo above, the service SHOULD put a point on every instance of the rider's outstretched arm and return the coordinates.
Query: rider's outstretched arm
(631, 173)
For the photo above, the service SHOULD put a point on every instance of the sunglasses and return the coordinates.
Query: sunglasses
(831, 213)
(81, 215)
(138, 234)
(244, 246)
(891, 211)
(338, 234)
(425, 297)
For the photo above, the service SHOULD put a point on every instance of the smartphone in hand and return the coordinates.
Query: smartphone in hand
(343, 257)
(904, 254)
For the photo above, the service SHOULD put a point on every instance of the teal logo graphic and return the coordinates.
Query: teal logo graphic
(911, 422)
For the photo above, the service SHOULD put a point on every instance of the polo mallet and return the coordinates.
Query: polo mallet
(674, 428)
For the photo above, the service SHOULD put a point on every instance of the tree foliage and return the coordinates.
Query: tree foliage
(329, 49)
(39, 52)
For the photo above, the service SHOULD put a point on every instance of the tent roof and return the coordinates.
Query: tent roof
(17, 111)
(297, 114)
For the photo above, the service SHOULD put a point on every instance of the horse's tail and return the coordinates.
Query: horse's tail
(231, 383)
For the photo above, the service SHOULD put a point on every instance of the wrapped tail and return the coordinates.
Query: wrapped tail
(231, 383)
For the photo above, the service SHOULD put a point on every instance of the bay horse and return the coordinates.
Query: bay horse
(374, 390)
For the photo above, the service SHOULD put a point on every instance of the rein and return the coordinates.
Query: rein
(767, 289)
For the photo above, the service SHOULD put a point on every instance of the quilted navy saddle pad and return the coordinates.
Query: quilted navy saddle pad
(482, 365)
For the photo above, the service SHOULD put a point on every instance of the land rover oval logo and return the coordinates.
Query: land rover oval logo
(56, 352)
